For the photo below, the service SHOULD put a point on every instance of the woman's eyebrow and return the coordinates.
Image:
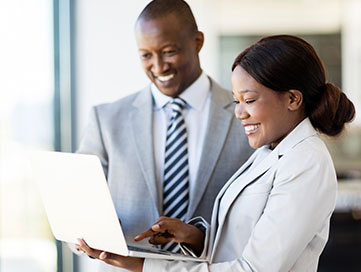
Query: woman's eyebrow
(246, 91)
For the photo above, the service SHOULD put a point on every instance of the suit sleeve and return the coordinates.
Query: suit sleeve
(299, 205)
(93, 142)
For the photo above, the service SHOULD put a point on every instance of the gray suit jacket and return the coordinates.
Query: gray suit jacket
(120, 134)
(273, 215)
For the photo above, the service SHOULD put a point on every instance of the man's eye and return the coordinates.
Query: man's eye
(146, 56)
(169, 52)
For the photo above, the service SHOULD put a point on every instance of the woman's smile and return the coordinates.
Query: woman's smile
(251, 128)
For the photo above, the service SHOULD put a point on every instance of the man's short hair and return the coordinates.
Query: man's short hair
(161, 8)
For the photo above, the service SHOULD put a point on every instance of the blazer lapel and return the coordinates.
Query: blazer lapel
(141, 120)
(219, 122)
(263, 166)
(243, 168)
(214, 219)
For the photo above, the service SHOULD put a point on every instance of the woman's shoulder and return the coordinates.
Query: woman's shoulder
(309, 147)
(310, 154)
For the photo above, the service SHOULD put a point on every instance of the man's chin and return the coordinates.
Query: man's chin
(172, 92)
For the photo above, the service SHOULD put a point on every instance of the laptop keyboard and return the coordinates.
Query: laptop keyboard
(150, 250)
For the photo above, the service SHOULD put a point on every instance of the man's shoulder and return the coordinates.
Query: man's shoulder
(125, 103)
(220, 95)
(216, 87)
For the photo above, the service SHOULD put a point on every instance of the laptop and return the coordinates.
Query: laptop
(78, 204)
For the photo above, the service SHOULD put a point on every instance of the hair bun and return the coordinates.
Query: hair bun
(333, 111)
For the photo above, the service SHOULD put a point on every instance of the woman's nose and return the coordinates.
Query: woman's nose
(240, 112)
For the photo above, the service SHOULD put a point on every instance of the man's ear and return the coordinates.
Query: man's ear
(295, 100)
(199, 41)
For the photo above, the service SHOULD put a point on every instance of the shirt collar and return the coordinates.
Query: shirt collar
(195, 95)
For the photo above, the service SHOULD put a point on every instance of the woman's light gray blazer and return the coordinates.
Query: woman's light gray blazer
(272, 216)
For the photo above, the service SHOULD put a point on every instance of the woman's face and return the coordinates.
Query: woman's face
(264, 113)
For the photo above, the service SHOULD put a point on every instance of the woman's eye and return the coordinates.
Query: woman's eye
(249, 101)
(235, 102)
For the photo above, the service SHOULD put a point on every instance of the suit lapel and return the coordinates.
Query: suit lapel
(219, 122)
(141, 123)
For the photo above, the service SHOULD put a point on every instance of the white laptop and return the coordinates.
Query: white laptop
(78, 204)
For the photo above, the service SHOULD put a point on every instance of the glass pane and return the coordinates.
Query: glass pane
(26, 122)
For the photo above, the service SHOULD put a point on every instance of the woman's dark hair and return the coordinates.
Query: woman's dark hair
(285, 62)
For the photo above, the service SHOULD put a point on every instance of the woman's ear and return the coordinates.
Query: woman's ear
(295, 100)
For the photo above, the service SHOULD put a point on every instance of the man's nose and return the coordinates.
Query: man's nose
(159, 66)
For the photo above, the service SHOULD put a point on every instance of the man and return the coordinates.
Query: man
(147, 175)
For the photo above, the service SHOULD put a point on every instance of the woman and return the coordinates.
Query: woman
(274, 213)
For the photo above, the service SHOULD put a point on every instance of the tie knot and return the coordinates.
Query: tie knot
(177, 104)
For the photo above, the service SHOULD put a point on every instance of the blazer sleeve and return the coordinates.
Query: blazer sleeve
(299, 205)
(203, 225)
(92, 141)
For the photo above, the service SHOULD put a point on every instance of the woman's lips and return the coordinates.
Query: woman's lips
(250, 129)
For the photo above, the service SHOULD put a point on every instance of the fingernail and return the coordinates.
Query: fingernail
(156, 227)
(136, 237)
(102, 255)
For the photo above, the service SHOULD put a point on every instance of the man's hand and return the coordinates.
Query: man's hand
(167, 229)
(130, 263)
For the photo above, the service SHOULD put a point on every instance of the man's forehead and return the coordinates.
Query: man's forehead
(159, 18)
(161, 28)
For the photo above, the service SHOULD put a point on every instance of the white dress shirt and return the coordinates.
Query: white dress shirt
(198, 100)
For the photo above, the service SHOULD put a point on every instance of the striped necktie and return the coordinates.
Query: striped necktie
(176, 177)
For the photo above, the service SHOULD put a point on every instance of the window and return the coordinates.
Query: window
(26, 122)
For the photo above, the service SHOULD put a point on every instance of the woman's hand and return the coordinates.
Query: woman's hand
(130, 263)
(167, 229)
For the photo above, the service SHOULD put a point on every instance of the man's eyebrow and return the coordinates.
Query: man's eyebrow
(164, 46)
(169, 45)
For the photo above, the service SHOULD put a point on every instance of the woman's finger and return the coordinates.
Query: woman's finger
(165, 225)
(143, 235)
(160, 239)
(94, 253)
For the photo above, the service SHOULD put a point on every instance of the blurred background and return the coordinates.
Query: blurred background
(60, 57)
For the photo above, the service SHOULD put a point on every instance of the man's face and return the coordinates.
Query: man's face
(169, 53)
